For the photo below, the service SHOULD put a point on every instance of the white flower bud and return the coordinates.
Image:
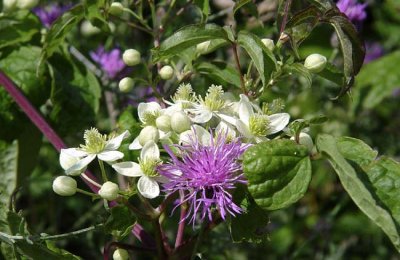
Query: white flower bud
(109, 191)
(269, 43)
(315, 62)
(9, 5)
(180, 122)
(27, 4)
(120, 254)
(116, 9)
(64, 186)
(164, 123)
(166, 72)
(126, 84)
(131, 57)
(203, 47)
(149, 133)
(305, 139)
(87, 29)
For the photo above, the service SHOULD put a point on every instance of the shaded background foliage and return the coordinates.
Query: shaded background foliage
(324, 224)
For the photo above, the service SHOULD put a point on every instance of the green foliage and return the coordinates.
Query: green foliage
(278, 171)
(95, 13)
(120, 222)
(375, 189)
(219, 72)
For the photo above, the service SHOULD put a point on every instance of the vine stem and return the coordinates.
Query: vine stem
(236, 55)
(56, 141)
(181, 227)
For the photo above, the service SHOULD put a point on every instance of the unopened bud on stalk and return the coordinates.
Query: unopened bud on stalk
(131, 57)
(166, 72)
(149, 133)
(27, 4)
(116, 9)
(180, 122)
(268, 43)
(120, 254)
(305, 139)
(87, 29)
(203, 47)
(315, 63)
(126, 84)
(164, 123)
(64, 186)
(109, 191)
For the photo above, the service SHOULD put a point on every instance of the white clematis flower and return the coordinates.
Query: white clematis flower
(75, 160)
(145, 169)
(256, 126)
(195, 133)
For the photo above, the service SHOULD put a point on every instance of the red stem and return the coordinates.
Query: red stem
(181, 227)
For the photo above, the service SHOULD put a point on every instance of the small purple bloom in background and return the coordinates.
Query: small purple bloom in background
(111, 62)
(373, 51)
(48, 14)
(354, 11)
(205, 174)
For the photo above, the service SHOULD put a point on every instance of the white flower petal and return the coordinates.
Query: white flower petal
(201, 116)
(245, 109)
(80, 165)
(150, 151)
(115, 142)
(202, 134)
(243, 129)
(110, 156)
(130, 169)
(229, 119)
(135, 145)
(149, 107)
(277, 122)
(74, 152)
(226, 129)
(148, 188)
(67, 160)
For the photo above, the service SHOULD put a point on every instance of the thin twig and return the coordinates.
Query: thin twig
(242, 83)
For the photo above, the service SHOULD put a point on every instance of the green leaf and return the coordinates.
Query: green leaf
(278, 171)
(331, 73)
(120, 222)
(204, 5)
(59, 30)
(186, 37)
(351, 45)
(299, 69)
(18, 27)
(247, 5)
(8, 180)
(356, 150)
(379, 78)
(220, 72)
(263, 59)
(94, 12)
(375, 192)
(249, 226)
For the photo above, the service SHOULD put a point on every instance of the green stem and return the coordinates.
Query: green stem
(93, 195)
(103, 171)
(242, 84)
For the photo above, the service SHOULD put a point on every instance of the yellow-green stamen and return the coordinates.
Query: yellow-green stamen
(258, 125)
(148, 167)
(94, 141)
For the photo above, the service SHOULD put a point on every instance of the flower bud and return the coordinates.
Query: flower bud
(315, 62)
(166, 72)
(203, 47)
(116, 9)
(269, 44)
(164, 123)
(305, 139)
(109, 191)
(9, 5)
(180, 122)
(120, 254)
(149, 133)
(125, 85)
(27, 4)
(131, 57)
(64, 186)
(87, 29)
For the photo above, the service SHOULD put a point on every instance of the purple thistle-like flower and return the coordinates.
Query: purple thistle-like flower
(48, 14)
(353, 10)
(206, 174)
(111, 62)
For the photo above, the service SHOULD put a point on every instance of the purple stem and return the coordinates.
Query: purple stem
(56, 141)
(181, 227)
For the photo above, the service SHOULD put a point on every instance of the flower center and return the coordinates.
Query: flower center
(184, 93)
(94, 141)
(149, 118)
(214, 100)
(258, 125)
(148, 166)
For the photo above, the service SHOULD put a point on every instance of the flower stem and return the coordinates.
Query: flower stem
(236, 55)
(93, 195)
(103, 171)
(181, 227)
(159, 239)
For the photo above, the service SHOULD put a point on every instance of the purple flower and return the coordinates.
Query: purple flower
(111, 62)
(373, 51)
(50, 13)
(205, 174)
(353, 10)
